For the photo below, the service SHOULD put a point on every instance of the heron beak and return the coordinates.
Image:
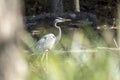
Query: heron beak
(67, 20)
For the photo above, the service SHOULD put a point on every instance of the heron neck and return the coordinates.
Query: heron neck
(59, 33)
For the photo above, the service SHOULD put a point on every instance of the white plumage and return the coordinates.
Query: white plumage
(46, 42)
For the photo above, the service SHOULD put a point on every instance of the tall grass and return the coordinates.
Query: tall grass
(82, 56)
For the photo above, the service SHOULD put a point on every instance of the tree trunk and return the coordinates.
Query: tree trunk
(12, 65)
(77, 5)
(57, 7)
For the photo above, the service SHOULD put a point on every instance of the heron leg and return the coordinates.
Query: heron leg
(43, 56)
(46, 56)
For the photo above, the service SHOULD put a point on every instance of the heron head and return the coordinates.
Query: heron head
(59, 20)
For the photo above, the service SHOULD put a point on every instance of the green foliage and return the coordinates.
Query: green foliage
(65, 67)
(40, 1)
(68, 69)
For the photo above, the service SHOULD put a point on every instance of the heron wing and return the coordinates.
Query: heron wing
(50, 43)
(46, 42)
(41, 44)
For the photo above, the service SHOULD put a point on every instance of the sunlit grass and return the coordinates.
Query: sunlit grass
(97, 64)
(58, 68)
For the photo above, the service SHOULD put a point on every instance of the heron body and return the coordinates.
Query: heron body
(46, 42)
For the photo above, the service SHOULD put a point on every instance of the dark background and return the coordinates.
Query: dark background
(105, 8)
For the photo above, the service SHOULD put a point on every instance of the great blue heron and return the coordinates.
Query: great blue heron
(48, 41)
